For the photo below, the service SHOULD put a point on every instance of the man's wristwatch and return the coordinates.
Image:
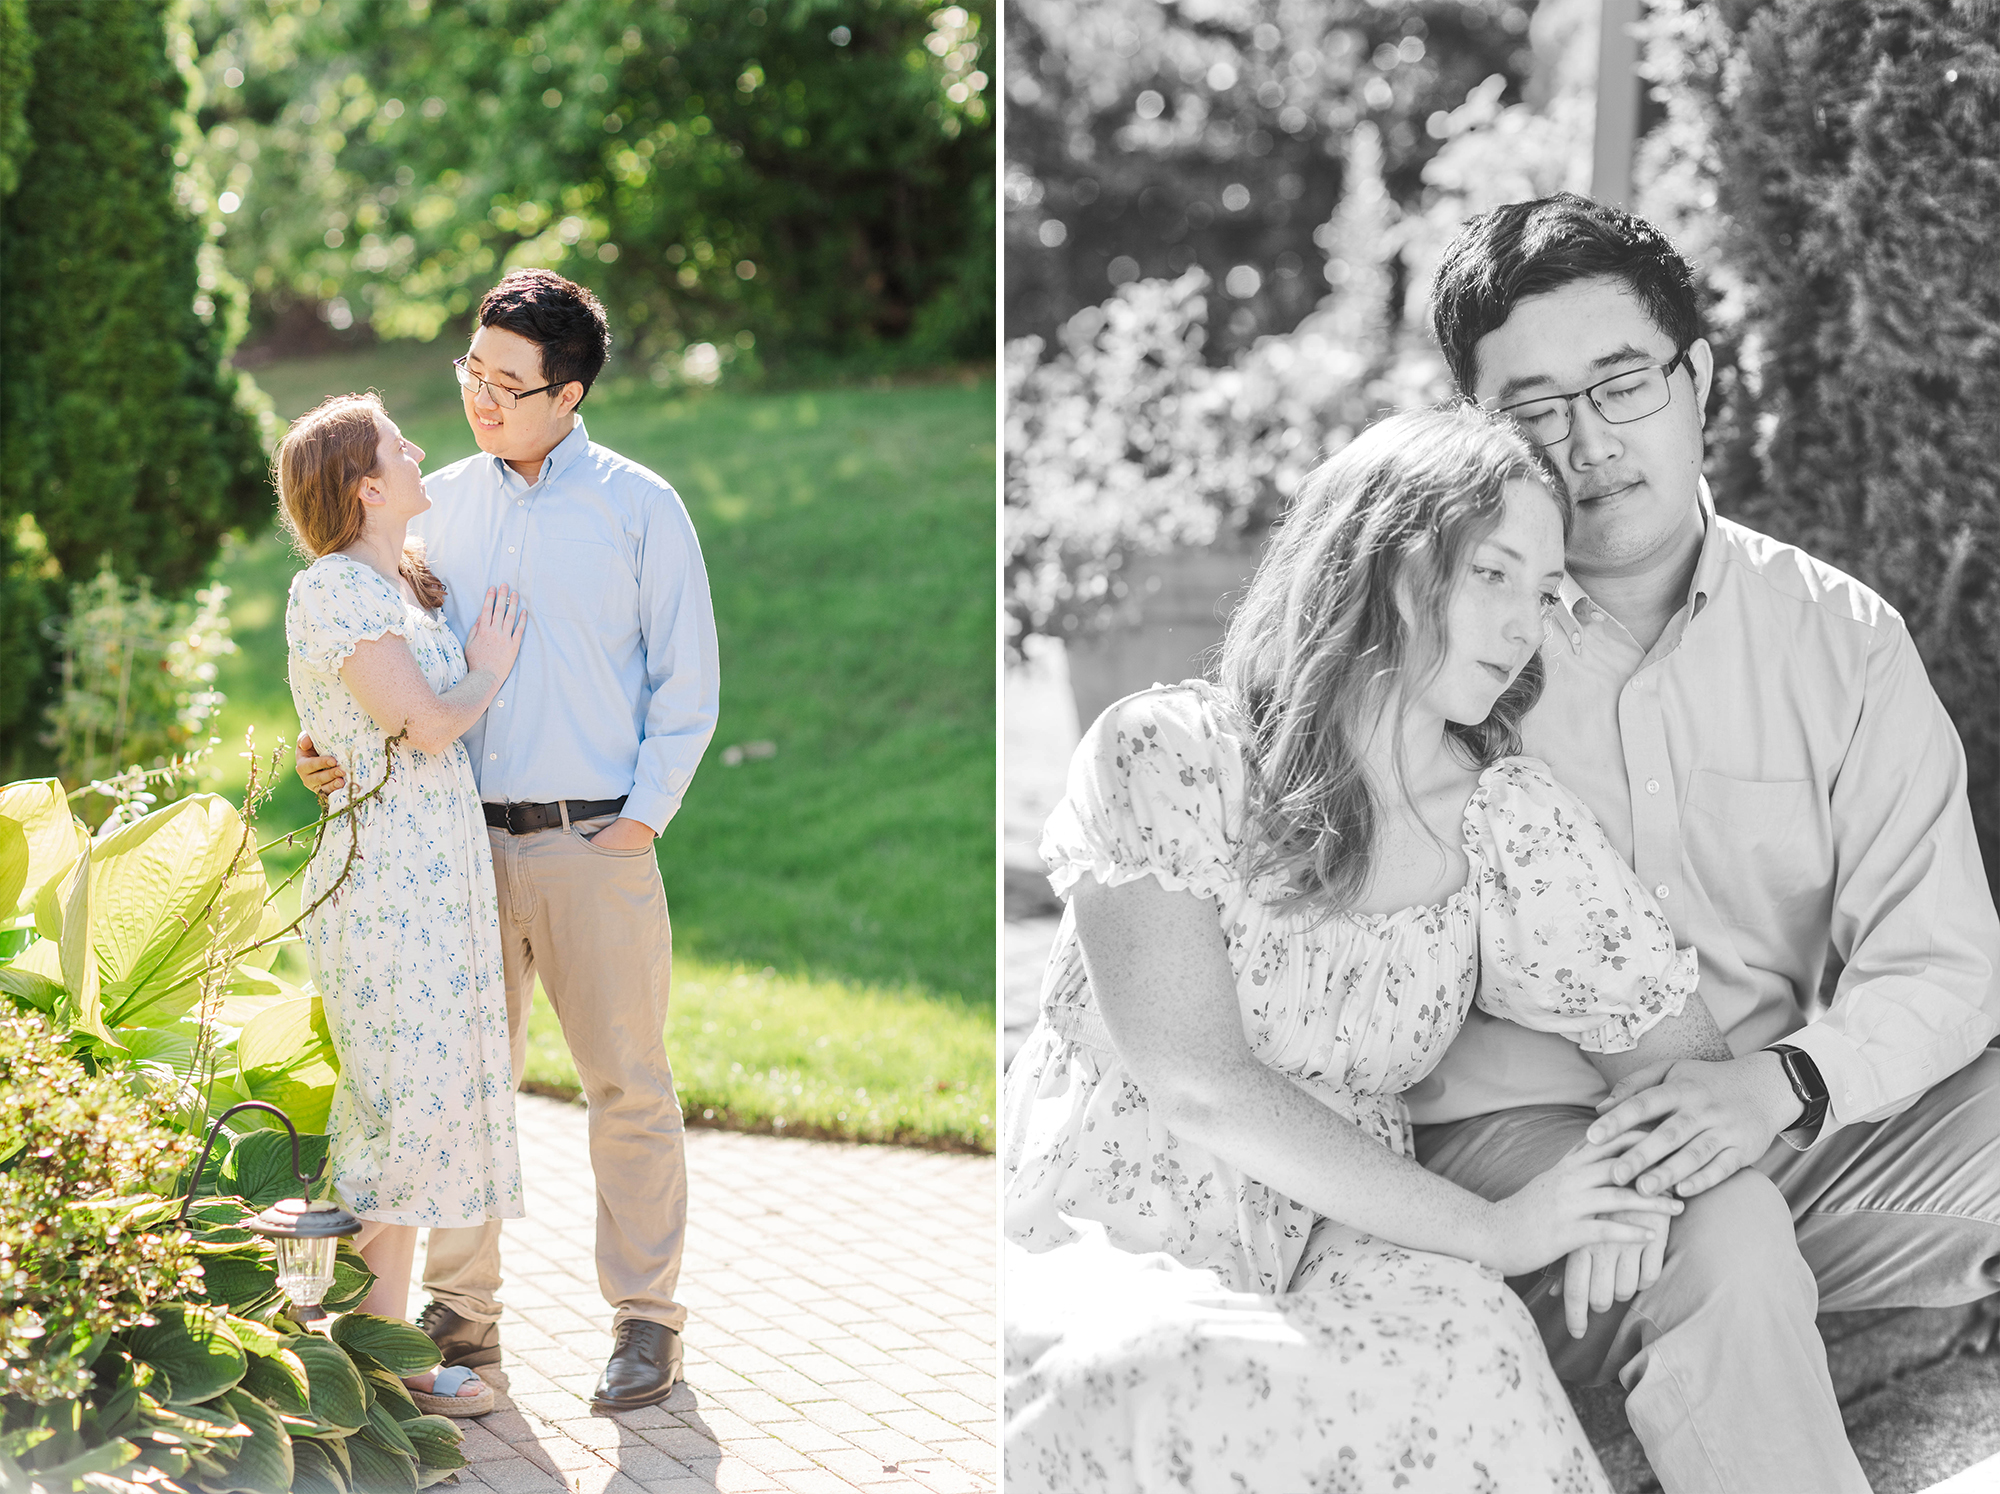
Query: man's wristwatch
(1803, 1074)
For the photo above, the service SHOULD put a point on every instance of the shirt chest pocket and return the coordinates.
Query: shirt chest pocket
(1760, 846)
(584, 580)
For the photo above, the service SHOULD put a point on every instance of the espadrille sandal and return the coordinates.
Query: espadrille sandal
(443, 1399)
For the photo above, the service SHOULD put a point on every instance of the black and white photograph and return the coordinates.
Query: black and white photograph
(1500, 747)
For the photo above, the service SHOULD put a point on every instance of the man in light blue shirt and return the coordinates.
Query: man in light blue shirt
(582, 759)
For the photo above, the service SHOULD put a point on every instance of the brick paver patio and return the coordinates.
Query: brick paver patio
(840, 1336)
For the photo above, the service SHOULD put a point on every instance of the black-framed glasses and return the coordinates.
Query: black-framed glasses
(1620, 400)
(506, 399)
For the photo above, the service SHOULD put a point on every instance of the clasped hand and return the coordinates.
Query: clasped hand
(1708, 1120)
(1713, 1118)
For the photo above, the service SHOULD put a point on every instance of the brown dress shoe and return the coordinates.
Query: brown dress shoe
(460, 1340)
(644, 1367)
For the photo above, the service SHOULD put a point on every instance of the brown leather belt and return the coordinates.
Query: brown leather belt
(524, 819)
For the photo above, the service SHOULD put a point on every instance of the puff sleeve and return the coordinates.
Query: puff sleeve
(335, 604)
(1569, 941)
(1155, 789)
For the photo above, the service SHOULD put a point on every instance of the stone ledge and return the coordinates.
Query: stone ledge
(1865, 1352)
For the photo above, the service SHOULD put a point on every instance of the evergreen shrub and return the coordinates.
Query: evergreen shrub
(122, 438)
(1853, 154)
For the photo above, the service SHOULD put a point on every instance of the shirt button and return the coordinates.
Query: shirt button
(493, 757)
(500, 702)
(1652, 785)
(510, 549)
(1661, 890)
(520, 503)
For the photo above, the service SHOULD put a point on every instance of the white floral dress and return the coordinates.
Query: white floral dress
(1173, 1323)
(406, 955)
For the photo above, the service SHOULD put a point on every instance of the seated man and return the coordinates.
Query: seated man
(1756, 733)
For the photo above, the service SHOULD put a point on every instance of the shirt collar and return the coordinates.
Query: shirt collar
(556, 462)
(1707, 567)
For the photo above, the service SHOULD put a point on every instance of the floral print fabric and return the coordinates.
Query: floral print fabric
(406, 954)
(1568, 939)
(1237, 1305)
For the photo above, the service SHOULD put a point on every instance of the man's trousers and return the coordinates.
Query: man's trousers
(593, 923)
(1726, 1377)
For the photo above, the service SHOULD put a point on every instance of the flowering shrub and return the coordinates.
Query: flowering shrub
(1126, 442)
(72, 1265)
(137, 675)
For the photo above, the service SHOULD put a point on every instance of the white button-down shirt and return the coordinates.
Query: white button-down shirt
(1779, 772)
(615, 691)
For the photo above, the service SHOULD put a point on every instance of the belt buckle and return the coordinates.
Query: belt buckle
(512, 827)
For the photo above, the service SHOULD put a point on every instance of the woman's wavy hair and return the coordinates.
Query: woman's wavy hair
(1312, 653)
(318, 470)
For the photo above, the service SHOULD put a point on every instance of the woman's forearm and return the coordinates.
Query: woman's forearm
(1281, 1134)
(383, 677)
(464, 703)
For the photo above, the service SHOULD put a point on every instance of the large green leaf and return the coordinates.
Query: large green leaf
(387, 1390)
(103, 1458)
(437, 1440)
(13, 861)
(307, 1096)
(261, 1341)
(62, 914)
(171, 1044)
(279, 1381)
(290, 1034)
(352, 1280)
(259, 1171)
(314, 1470)
(158, 900)
(193, 1347)
(287, 1059)
(54, 836)
(333, 1385)
(30, 988)
(385, 1430)
(380, 1471)
(260, 1463)
(399, 1347)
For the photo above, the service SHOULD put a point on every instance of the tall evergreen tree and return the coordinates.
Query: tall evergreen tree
(1854, 157)
(121, 437)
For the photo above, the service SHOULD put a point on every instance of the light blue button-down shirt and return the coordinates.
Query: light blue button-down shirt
(615, 691)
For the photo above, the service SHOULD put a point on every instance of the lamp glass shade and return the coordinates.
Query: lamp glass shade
(305, 1267)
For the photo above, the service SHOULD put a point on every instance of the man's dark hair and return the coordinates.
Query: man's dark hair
(559, 316)
(1531, 248)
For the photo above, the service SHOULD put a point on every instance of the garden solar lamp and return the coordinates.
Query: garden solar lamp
(306, 1234)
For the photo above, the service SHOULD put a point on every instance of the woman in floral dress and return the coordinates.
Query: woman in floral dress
(406, 952)
(1225, 1268)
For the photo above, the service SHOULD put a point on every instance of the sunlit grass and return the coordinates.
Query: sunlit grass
(755, 1050)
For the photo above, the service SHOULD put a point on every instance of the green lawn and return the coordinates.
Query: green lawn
(848, 535)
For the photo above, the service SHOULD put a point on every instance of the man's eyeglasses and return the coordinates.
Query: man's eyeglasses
(1620, 399)
(506, 399)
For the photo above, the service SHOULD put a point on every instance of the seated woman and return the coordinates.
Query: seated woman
(1225, 1269)
(406, 952)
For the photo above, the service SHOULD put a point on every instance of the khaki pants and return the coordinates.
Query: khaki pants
(594, 924)
(1726, 1377)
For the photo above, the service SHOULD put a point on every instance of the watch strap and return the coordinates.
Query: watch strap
(1807, 1083)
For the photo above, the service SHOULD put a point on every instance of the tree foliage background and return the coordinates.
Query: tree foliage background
(794, 187)
(808, 178)
(1146, 139)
